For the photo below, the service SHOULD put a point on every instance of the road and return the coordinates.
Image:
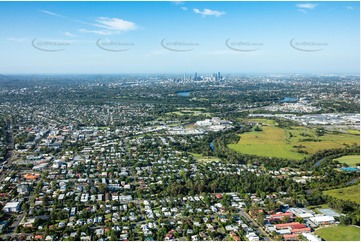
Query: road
(16, 222)
(8, 169)
(259, 229)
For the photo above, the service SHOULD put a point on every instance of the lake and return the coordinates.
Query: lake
(183, 93)
(288, 100)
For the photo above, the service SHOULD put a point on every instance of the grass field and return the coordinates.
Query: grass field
(350, 160)
(339, 233)
(353, 131)
(201, 158)
(273, 141)
(351, 193)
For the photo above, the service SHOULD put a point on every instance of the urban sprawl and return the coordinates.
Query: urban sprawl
(179, 157)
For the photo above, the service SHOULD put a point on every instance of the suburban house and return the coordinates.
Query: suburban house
(12, 207)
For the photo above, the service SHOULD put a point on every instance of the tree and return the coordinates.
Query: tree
(299, 219)
(103, 188)
(286, 219)
(260, 219)
(45, 200)
(320, 131)
(258, 129)
(113, 235)
(25, 207)
(345, 220)
(213, 186)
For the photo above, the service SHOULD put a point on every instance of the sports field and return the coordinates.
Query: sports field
(351, 193)
(295, 142)
(339, 233)
(350, 160)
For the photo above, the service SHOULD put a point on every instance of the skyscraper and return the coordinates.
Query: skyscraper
(214, 77)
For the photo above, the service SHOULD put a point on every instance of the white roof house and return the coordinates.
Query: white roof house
(321, 220)
(12, 207)
(301, 212)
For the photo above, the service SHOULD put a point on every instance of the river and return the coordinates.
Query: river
(212, 146)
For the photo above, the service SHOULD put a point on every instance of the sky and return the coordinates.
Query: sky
(179, 37)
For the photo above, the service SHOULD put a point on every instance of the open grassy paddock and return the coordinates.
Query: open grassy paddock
(350, 160)
(201, 158)
(290, 142)
(339, 233)
(353, 131)
(351, 193)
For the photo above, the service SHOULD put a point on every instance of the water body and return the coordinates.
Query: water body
(183, 93)
(212, 146)
(318, 163)
(349, 169)
(353, 181)
(288, 100)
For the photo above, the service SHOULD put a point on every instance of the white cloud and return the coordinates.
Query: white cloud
(349, 8)
(184, 8)
(107, 26)
(98, 32)
(178, 2)
(306, 5)
(208, 12)
(62, 16)
(115, 24)
(52, 13)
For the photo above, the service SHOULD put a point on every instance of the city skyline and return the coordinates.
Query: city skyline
(179, 37)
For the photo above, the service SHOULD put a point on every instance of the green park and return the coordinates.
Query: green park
(351, 193)
(339, 233)
(293, 142)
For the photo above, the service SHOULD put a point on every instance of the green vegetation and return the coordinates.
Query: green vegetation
(353, 131)
(202, 158)
(294, 142)
(339, 233)
(351, 193)
(350, 160)
(270, 142)
(324, 205)
(104, 127)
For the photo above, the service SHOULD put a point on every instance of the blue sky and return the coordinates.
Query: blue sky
(178, 37)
